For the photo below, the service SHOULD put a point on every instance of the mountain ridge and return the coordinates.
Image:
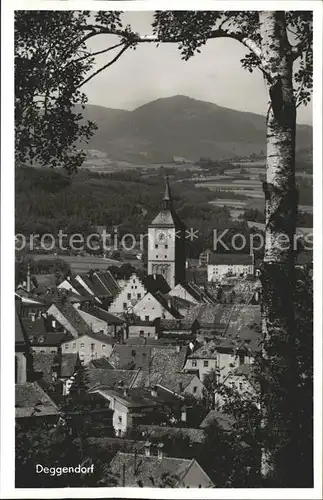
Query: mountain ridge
(180, 126)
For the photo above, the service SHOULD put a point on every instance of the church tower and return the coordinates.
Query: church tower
(166, 243)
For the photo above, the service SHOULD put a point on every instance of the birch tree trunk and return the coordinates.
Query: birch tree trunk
(280, 380)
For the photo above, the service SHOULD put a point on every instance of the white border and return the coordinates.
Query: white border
(7, 251)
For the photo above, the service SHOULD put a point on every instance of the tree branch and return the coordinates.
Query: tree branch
(218, 33)
(91, 54)
(103, 67)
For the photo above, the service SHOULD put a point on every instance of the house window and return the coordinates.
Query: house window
(129, 296)
(120, 420)
(53, 351)
(138, 295)
(156, 246)
(103, 346)
(194, 362)
(141, 333)
(92, 347)
(165, 256)
(195, 389)
(82, 346)
(205, 363)
(74, 345)
(146, 318)
(66, 346)
(133, 353)
(134, 281)
(125, 305)
(156, 256)
(240, 386)
(241, 359)
(166, 246)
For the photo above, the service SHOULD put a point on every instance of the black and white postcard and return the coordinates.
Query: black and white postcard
(161, 249)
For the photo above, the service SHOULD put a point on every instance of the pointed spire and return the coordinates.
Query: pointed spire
(167, 200)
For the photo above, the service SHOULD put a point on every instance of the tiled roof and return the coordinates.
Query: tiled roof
(102, 283)
(177, 324)
(226, 422)
(126, 356)
(164, 363)
(39, 325)
(208, 351)
(109, 379)
(100, 313)
(100, 337)
(176, 382)
(74, 318)
(230, 259)
(164, 302)
(139, 470)
(156, 431)
(156, 283)
(179, 302)
(32, 400)
(101, 363)
(138, 397)
(167, 218)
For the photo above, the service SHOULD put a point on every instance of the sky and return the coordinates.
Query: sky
(149, 73)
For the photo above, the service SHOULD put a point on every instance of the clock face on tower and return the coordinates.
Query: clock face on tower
(161, 236)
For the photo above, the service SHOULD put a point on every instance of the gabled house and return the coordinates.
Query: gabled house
(69, 318)
(182, 384)
(101, 285)
(155, 471)
(155, 305)
(234, 264)
(163, 363)
(89, 346)
(131, 293)
(143, 329)
(133, 406)
(202, 361)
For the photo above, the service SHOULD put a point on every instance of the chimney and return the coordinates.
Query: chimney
(160, 453)
(28, 279)
(153, 391)
(147, 448)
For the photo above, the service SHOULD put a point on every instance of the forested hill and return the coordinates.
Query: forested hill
(49, 200)
(180, 126)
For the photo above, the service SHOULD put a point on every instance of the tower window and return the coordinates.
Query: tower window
(156, 256)
(166, 246)
(156, 246)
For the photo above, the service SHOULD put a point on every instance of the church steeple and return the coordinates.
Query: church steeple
(167, 200)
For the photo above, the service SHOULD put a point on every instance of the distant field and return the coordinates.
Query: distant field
(80, 264)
